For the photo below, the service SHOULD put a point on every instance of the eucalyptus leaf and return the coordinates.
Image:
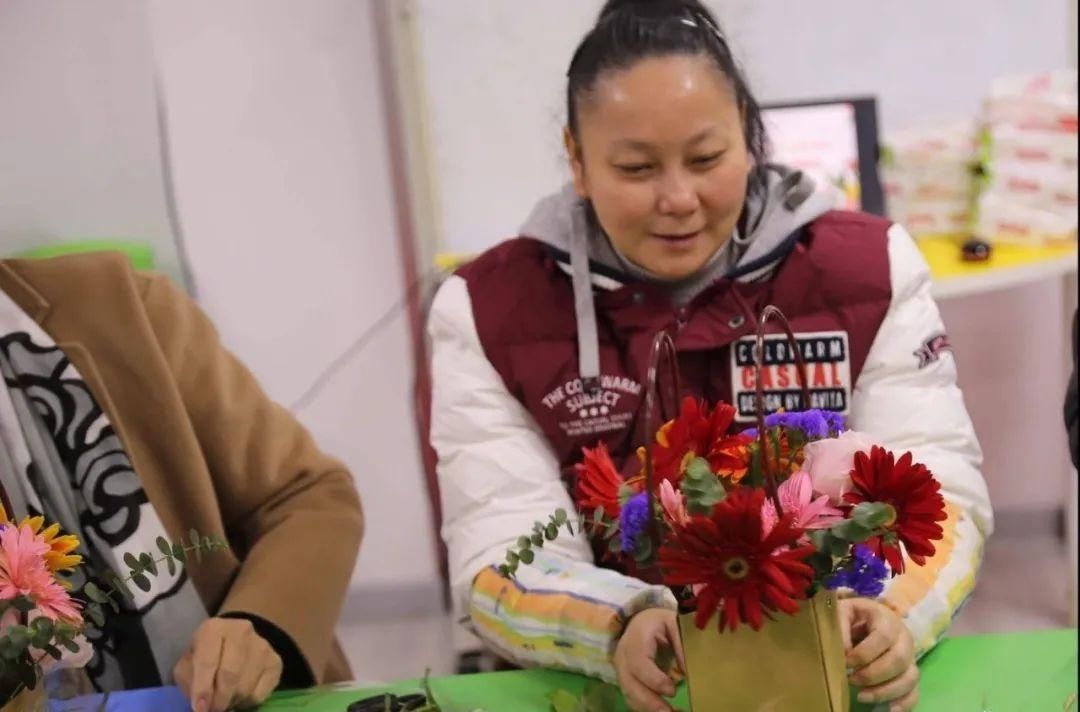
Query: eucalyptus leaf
(170, 564)
(94, 593)
(560, 516)
(702, 488)
(163, 546)
(96, 615)
(40, 638)
(551, 532)
(526, 556)
(839, 547)
(42, 624)
(131, 562)
(148, 563)
(850, 530)
(18, 637)
(873, 515)
(178, 553)
(118, 584)
(142, 582)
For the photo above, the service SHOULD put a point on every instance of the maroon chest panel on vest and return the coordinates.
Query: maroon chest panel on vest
(833, 287)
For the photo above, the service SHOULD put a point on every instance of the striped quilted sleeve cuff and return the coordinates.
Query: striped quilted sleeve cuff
(560, 613)
(928, 597)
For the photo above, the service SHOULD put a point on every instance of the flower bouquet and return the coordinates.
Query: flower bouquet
(42, 620)
(756, 531)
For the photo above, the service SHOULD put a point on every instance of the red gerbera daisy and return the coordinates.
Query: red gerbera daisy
(741, 570)
(697, 432)
(913, 493)
(598, 482)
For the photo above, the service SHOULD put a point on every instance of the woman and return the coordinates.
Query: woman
(124, 419)
(675, 221)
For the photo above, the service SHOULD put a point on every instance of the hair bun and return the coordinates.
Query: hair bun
(650, 8)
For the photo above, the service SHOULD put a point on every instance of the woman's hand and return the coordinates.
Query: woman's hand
(880, 654)
(228, 665)
(643, 683)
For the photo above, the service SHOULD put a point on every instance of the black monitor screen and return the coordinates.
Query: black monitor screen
(834, 140)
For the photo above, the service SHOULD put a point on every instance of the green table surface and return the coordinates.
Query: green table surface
(1018, 672)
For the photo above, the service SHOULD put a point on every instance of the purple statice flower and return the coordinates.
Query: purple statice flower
(836, 421)
(865, 575)
(817, 424)
(633, 519)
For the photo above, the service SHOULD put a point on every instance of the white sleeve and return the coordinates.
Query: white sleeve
(907, 397)
(498, 475)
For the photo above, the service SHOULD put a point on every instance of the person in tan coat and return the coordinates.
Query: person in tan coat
(123, 418)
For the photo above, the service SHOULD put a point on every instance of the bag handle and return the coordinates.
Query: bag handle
(772, 312)
(663, 356)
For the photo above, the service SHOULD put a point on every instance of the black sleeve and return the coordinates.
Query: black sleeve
(295, 673)
(1072, 405)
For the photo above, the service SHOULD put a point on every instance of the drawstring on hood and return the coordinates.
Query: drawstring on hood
(791, 201)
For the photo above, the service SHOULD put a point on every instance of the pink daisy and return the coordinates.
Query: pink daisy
(796, 495)
(23, 572)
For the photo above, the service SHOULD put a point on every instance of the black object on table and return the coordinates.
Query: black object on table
(389, 703)
(976, 250)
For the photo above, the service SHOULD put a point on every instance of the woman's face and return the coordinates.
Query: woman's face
(661, 154)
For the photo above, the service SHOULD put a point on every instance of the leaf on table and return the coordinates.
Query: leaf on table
(563, 701)
(599, 697)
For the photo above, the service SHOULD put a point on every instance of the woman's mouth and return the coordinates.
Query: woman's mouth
(676, 238)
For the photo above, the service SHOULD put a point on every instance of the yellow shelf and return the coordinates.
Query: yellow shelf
(942, 253)
(1010, 265)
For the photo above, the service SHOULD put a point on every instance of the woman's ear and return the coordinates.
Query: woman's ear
(577, 166)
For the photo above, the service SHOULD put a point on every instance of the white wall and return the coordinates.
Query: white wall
(79, 157)
(281, 171)
(281, 174)
(1010, 349)
(493, 74)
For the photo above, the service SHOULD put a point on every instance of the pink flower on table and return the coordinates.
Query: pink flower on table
(830, 462)
(23, 572)
(796, 496)
(672, 503)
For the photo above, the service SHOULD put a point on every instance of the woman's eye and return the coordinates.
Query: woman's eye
(707, 159)
(634, 169)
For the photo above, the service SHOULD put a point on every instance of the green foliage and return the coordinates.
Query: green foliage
(597, 697)
(523, 551)
(702, 488)
(851, 531)
(874, 515)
